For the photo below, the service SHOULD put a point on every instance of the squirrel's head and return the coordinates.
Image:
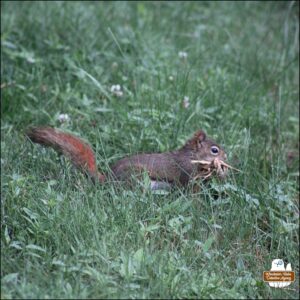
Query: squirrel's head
(206, 149)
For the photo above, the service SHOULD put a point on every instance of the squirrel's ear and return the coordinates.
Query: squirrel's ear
(196, 140)
(200, 136)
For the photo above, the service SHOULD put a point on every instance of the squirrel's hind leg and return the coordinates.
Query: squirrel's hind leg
(160, 185)
(132, 174)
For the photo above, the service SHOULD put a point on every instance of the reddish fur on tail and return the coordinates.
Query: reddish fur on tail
(71, 146)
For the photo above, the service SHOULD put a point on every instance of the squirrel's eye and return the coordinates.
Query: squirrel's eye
(214, 150)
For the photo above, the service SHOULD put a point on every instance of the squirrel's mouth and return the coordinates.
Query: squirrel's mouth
(207, 168)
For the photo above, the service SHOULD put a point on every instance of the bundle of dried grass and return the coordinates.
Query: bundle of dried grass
(207, 168)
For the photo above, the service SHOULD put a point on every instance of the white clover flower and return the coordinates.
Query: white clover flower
(182, 54)
(116, 90)
(171, 78)
(30, 60)
(114, 65)
(186, 102)
(63, 118)
(115, 87)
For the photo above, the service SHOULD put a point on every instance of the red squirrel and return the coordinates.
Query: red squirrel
(171, 168)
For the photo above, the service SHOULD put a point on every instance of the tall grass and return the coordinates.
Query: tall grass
(63, 237)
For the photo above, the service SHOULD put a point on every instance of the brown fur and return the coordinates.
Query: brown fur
(174, 167)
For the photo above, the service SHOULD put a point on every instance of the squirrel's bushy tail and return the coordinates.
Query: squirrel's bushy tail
(71, 146)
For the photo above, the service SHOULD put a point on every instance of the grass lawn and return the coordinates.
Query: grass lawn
(238, 64)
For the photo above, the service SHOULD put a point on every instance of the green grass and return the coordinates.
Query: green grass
(63, 237)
